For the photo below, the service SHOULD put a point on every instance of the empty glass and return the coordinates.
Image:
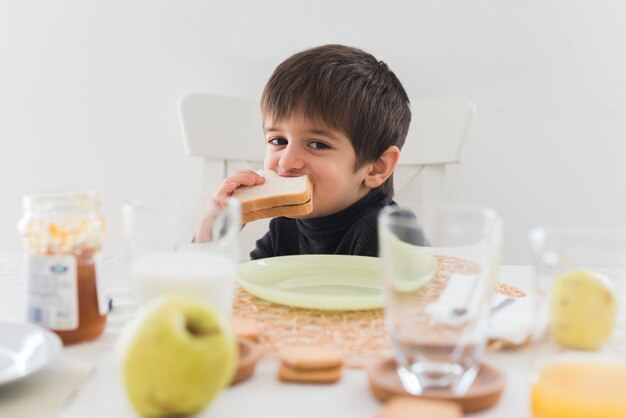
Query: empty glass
(167, 260)
(439, 270)
(579, 352)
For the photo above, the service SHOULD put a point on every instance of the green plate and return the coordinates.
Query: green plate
(329, 282)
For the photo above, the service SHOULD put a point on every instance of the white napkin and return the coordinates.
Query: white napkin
(512, 323)
(454, 306)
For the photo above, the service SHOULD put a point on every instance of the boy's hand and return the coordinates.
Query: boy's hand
(239, 178)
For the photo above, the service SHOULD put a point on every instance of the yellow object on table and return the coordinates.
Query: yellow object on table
(580, 389)
(583, 309)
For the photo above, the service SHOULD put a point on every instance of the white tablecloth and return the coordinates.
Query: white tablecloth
(83, 380)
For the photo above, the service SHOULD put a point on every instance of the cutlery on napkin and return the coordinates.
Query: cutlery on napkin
(510, 318)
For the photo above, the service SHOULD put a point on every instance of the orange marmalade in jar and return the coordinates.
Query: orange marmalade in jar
(62, 235)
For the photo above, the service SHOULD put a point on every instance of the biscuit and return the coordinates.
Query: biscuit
(245, 328)
(328, 375)
(310, 357)
(403, 406)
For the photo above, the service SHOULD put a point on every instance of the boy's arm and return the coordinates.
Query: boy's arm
(239, 178)
(263, 247)
(280, 239)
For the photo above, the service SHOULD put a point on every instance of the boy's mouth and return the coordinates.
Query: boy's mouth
(291, 174)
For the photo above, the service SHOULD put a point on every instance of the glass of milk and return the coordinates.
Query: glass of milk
(167, 259)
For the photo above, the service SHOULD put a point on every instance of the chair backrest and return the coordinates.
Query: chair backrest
(227, 133)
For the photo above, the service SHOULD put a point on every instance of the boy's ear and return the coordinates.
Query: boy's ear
(380, 170)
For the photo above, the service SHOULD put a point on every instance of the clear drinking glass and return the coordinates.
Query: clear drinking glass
(439, 270)
(579, 351)
(165, 258)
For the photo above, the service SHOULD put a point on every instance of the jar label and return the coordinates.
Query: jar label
(52, 291)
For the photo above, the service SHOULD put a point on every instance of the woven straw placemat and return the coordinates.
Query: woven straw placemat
(359, 335)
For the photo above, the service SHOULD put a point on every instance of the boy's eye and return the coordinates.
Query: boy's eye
(278, 141)
(318, 145)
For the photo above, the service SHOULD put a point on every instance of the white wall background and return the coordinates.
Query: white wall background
(88, 93)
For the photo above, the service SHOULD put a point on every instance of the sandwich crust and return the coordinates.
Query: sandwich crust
(258, 202)
(290, 210)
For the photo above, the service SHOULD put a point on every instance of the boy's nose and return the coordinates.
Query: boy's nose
(291, 158)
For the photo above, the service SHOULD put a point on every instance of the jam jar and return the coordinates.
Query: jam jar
(62, 234)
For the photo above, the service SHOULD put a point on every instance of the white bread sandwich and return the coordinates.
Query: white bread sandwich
(277, 196)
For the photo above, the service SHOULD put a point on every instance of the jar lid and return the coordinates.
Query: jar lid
(61, 201)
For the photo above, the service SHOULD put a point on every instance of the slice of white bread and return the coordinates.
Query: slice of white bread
(278, 196)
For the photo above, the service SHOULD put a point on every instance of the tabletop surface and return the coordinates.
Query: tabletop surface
(83, 379)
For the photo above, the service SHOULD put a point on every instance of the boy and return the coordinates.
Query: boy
(340, 116)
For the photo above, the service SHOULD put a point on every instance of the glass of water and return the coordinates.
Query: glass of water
(439, 271)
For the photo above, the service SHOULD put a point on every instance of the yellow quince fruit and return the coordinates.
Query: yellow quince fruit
(583, 309)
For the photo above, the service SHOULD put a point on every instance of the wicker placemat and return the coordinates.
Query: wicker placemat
(359, 335)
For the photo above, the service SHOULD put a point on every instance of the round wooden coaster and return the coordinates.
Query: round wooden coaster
(484, 392)
(249, 354)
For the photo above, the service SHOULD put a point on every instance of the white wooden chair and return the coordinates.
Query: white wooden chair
(226, 132)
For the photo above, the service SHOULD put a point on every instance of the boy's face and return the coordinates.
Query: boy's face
(299, 146)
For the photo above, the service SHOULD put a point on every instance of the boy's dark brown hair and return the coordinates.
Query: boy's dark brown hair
(347, 89)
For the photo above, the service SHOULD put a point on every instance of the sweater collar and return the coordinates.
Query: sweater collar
(345, 217)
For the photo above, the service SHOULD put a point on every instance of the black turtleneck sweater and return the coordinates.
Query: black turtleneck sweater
(352, 231)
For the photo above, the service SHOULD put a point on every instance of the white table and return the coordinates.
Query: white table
(83, 380)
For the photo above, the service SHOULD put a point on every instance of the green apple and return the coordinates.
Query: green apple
(583, 309)
(175, 356)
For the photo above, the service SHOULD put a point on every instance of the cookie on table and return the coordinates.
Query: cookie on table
(404, 406)
(311, 357)
(328, 375)
(310, 364)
